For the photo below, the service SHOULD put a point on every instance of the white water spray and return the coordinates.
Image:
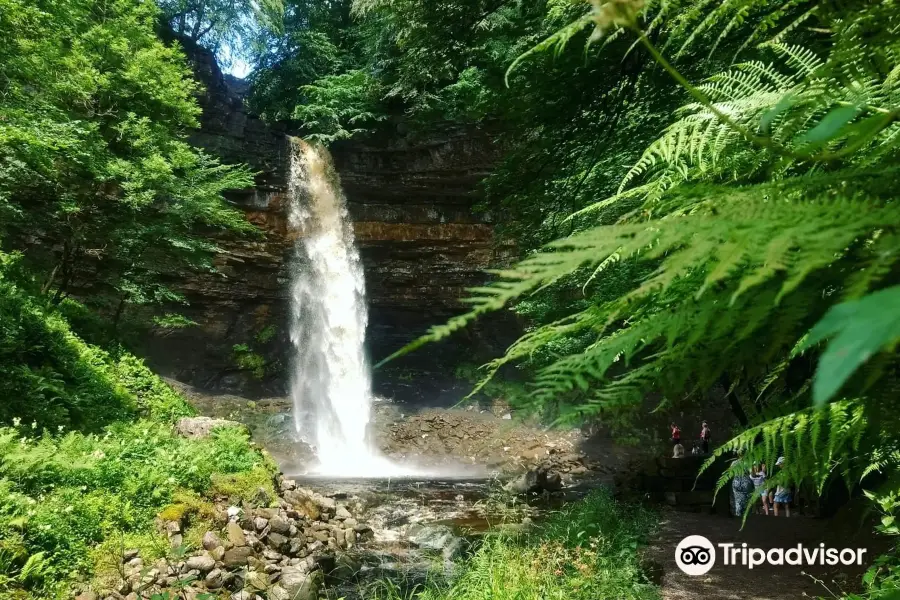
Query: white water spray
(331, 385)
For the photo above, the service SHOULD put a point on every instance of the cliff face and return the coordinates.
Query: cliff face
(422, 244)
(411, 200)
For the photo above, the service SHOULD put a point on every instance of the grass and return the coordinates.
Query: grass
(89, 456)
(588, 551)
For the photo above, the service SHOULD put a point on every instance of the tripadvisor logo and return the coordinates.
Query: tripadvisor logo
(696, 555)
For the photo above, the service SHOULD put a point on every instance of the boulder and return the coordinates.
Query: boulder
(300, 585)
(280, 525)
(214, 579)
(236, 557)
(430, 537)
(278, 542)
(256, 582)
(276, 592)
(211, 540)
(310, 504)
(203, 563)
(236, 534)
(535, 480)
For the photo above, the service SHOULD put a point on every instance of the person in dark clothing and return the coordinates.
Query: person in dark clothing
(676, 434)
(705, 436)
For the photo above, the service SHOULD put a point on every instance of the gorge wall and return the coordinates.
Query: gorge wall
(411, 199)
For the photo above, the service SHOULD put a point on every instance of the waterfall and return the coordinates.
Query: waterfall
(331, 384)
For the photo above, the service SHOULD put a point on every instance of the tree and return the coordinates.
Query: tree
(227, 27)
(97, 182)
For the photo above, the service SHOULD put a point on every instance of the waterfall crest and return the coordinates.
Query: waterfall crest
(331, 384)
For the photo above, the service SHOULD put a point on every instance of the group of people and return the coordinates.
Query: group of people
(743, 486)
(773, 500)
(699, 448)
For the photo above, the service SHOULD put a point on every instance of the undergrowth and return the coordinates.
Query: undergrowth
(89, 456)
(589, 550)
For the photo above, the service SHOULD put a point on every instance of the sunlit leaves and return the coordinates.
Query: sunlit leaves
(856, 330)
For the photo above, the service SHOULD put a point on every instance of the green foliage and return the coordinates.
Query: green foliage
(54, 379)
(587, 551)
(266, 334)
(248, 360)
(173, 321)
(226, 27)
(310, 41)
(766, 206)
(93, 489)
(96, 177)
(859, 329)
(339, 106)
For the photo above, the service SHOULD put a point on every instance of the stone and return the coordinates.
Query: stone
(130, 554)
(276, 592)
(300, 585)
(310, 504)
(287, 484)
(535, 480)
(201, 427)
(351, 523)
(235, 534)
(87, 595)
(217, 553)
(296, 547)
(236, 557)
(259, 523)
(321, 535)
(242, 595)
(280, 525)
(364, 533)
(211, 540)
(430, 537)
(342, 513)
(256, 581)
(214, 579)
(272, 555)
(278, 542)
(203, 563)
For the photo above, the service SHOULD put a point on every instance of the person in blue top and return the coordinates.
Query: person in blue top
(783, 494)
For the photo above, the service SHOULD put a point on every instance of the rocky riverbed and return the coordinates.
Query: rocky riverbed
(469, 470)
(472, 441)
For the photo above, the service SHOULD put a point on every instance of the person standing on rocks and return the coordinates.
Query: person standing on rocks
(676, 435)
(705, 436)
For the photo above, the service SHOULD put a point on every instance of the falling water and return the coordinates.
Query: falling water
(331, 385)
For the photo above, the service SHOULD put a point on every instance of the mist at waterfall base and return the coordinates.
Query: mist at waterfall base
(331, 386)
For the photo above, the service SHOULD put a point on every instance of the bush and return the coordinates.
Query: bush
(50, 376)
(65, 496)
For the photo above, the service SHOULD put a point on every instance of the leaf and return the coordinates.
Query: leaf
(786, 102)
(829, 126)
(859, 329)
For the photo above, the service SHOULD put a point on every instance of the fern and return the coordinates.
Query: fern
(765, 204)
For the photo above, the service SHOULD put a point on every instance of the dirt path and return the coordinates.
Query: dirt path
(764, 582)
